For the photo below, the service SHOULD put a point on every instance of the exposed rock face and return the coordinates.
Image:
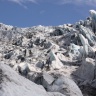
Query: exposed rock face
(61, 59)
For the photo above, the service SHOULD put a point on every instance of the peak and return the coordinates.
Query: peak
(5, 27)
(92, 12)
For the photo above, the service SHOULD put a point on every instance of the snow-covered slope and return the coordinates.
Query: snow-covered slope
(13, 84)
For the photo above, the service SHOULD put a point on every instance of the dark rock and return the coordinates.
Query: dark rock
(40, 65)
(29, 35)
(57, 32)
(23, 69)
(8, 55)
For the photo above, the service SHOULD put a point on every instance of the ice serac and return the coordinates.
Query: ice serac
(56, 63)
(13, 84)
(87, 49)
(88, 34)
(87, 70)
(93, 16)
(65, 86)
(84, 43)
(47, 80)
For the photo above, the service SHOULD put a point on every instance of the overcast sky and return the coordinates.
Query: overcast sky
(26, 13)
